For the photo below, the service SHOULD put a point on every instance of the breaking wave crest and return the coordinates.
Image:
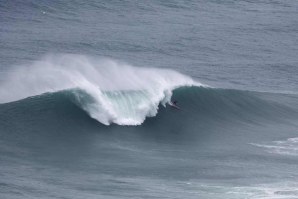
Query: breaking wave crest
(109, 91)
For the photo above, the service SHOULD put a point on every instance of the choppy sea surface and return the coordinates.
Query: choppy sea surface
(86, 88)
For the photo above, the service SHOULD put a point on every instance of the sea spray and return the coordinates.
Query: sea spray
(109, 91)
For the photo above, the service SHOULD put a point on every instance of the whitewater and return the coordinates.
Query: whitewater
(108, 91)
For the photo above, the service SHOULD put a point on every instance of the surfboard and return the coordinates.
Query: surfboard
(174, 106)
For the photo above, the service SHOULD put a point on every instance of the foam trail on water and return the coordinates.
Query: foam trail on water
(109, 91)
(284, 147)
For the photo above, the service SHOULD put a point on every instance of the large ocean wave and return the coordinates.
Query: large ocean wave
(114, 92)
(109, 91)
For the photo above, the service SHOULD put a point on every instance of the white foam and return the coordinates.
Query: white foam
(121, 93)
(284, 147)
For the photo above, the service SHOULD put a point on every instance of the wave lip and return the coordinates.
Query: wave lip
(109, 91)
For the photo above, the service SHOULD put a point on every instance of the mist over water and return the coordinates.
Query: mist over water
(107, 90)
(85, 91)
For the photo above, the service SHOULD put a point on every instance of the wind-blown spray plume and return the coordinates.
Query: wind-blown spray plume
(108, 91)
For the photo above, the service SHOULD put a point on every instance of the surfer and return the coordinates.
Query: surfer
(174, 104)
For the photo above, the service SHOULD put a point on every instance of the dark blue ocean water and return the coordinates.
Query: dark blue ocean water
(84, 88)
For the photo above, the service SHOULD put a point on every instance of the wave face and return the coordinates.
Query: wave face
(108, 91)
(201, 107)
(114, 92)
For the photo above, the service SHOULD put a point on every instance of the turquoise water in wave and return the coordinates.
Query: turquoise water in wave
(85, 87)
